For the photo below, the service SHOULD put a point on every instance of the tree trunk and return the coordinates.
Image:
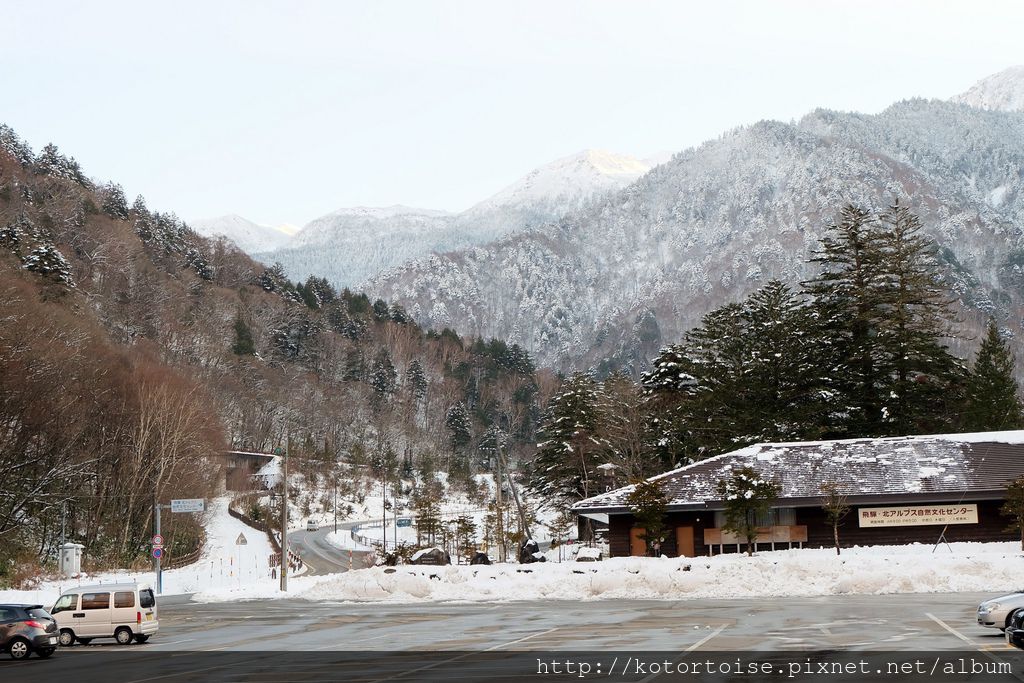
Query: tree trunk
(835, 536)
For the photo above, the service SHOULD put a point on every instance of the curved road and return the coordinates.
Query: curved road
(321, 556)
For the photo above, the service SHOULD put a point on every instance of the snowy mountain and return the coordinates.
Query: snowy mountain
(640, 266)
(1003, 91)
(248, 236)
(351, 245)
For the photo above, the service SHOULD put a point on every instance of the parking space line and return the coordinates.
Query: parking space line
(689, 649)
(706, 638)
(949, 628)
(402, 674)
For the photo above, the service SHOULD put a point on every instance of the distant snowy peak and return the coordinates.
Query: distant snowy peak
(383, 212)
(569, 181)
(1003, 91)
(371, 223)
(248, 236)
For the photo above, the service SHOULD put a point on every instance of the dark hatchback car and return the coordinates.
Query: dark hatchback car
(1015, 628)
(25, 629)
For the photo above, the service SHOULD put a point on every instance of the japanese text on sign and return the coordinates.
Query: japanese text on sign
(919, 515)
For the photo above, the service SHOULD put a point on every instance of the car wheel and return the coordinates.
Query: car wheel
(66, 637)
(45, 652)
(123, 635)
(141, 638)
(19, 648)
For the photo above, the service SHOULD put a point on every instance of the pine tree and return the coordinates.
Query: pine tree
(244, 345)
(649, 504)
(916, 317)
(885, 313)
(460, 427)
(1013, 507)
(751, 372)
(383, 377)
(115, 204)
(748, 500)
(416, 381)
(848, 294)
(564, 468)
(993, 401)
(355, 365)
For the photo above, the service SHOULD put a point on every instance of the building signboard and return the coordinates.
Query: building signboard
(919, 515)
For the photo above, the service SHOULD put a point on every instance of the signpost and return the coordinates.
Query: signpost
(188, 505)
(178, 505)
(241, 540)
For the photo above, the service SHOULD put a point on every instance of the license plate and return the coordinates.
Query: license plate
(149, 617)
(53, 640)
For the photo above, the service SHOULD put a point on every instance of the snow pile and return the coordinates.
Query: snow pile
(988, 567)
(225, 564)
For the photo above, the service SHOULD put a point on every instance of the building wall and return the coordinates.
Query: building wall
(991, 526)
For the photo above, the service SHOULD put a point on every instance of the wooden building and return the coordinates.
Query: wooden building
(900, 490)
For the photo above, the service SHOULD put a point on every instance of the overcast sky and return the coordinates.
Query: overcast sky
(283, 111)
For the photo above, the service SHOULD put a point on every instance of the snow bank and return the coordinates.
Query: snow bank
(225, 564)
(991, 567)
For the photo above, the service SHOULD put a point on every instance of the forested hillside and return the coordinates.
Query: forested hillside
(132, 349)
(859, 351)
(605, 287)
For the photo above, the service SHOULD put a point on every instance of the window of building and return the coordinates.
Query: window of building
(773, 517)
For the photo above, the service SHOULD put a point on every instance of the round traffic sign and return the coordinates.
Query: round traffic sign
(158, 539)
(158, 553)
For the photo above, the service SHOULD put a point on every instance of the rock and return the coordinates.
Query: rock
(480, 558)
(433, 556)
(528, 552)
(588, 555)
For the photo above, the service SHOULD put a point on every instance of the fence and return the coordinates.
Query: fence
(246, 519)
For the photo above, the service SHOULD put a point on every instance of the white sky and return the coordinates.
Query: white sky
(284, 111)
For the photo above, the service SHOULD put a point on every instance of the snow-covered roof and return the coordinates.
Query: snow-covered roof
(937, 466)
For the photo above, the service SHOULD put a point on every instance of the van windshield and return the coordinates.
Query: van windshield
(65, 602)
(146, 598)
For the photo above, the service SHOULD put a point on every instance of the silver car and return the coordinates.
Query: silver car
(995, 613)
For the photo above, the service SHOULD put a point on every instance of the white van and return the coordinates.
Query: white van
(122, 611)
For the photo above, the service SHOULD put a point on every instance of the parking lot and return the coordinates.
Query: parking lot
(911, 622)
(296, 640)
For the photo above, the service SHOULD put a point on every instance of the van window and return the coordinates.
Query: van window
(64, 603)
(95, 600)
(124, 599)
(146, 598)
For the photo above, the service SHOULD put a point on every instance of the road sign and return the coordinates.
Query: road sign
(241, 540)
(158, 552)
(158, 539)
(188, 505)
(404, 522)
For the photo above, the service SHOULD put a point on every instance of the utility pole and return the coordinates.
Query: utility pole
(156, 560)
(284, 520)
(501, 513)
(384, 505)
(515, 496)
(335, 504)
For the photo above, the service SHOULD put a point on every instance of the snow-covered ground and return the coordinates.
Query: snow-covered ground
(224, 564)
(991, 567)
